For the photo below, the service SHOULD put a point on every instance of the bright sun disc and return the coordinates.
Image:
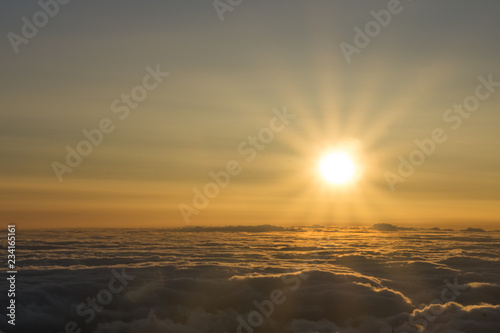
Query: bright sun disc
(337, 168)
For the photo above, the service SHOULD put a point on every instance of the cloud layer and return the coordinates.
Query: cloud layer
(310, 280)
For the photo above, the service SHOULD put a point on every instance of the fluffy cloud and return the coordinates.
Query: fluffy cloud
(317, 280)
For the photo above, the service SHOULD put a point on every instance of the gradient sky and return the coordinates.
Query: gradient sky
(225, 79)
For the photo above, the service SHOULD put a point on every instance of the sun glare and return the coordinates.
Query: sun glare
(337, 168)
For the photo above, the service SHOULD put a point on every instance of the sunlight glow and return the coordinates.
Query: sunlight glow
(337, 168)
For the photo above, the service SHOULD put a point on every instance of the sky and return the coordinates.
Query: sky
(209, 78)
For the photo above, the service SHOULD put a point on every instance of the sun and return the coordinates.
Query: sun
(338, 168)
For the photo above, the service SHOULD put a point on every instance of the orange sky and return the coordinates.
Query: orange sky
(226, 84)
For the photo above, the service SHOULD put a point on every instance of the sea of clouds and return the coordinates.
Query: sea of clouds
(258, 279)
